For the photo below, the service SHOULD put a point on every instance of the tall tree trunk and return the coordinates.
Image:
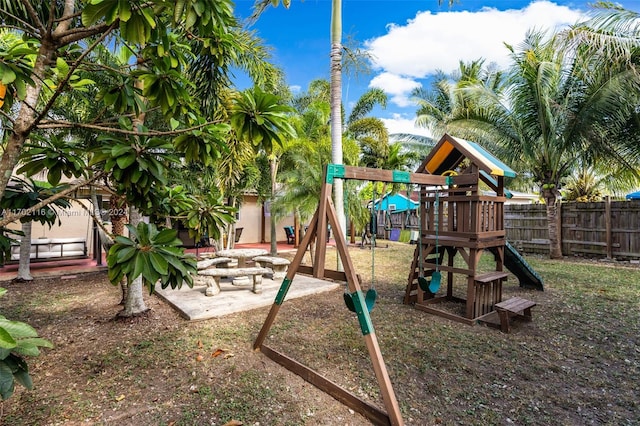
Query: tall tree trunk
(134, 301)
(117, 208)
(262, 224)
(231, 233)
(336, 112)
(26, 119)
(273, 168)
(24, 267)
(551, 200)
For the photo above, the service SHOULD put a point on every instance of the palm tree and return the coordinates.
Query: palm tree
(336, 92)
(261, 119)
(591, 182)
(304, 160)
(563, 104)
(370, 132)
(335, 54)
(446, 98)
(336, 100)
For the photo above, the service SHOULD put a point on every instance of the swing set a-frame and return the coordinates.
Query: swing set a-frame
(326, 215)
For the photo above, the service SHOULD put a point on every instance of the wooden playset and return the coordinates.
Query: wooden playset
(460, 221)
(456, 219)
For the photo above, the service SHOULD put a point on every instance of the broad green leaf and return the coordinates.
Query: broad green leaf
(6, 381)
(27, 348)
(118, 150)
(125, 161)
(62, 66)
(6, 340)
(24, 379)
(178, 10)
(166, 237)
(36, 341)
(148, 16)
(8, 76)
(150, 274)
(138, 266)
(97, 10)
(115, 274)
(125, 254)
(81, 83)
(18, 329)
(124, 9)
(158, 262)
(121, 239)
(136, 175)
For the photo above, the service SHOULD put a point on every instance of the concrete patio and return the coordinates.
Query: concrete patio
(193, 305)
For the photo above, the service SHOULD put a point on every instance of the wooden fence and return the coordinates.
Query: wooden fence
(607, 229)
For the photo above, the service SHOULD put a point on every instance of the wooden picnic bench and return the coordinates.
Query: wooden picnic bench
(514, 307)
(278, 265)
(217, 273)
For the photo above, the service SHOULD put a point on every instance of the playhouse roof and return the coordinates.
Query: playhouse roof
(450, 151)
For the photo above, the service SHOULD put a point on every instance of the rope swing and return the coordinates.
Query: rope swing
(436, 277)
(371, 295)
(431, 285)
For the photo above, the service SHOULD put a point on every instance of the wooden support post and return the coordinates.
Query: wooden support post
(607, 225)
(451, 254)
(471, 297)
(559, 222)
(321, 231)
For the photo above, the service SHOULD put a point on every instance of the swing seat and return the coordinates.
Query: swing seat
(434, 285)
(369, 299)
(431, 285)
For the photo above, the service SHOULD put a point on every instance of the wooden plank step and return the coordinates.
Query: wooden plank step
(515, 305)
(490, 276)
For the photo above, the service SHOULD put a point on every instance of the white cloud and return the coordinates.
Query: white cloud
(295, 88)
(396, 86)
(401, 124)
(438, 41)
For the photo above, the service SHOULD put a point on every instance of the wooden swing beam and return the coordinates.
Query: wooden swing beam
(324, 215)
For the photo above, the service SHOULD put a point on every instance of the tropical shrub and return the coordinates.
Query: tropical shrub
(17, 340)
(154, 254)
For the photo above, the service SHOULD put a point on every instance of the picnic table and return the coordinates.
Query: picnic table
(241, 254)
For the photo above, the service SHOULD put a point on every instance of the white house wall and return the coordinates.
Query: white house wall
(75, 222)
(250, 219)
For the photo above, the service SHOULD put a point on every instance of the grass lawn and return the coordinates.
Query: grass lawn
(576, 363)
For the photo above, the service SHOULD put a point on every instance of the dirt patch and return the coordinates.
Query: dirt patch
(576, 363)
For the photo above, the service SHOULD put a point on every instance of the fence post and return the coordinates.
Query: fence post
(607, 224)
(559, 223)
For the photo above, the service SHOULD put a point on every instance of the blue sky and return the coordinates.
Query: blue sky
(409, 40)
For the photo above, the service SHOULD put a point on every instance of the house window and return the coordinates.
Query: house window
(392, 207)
